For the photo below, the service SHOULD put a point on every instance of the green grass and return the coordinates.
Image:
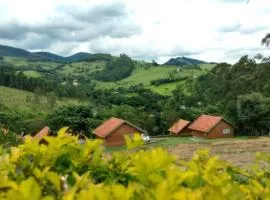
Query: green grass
(21, 63)
(16, 61)
(32, 73)
(81, 68)
(172, 141)
(165, 89)
(19, 100)
(142, 75)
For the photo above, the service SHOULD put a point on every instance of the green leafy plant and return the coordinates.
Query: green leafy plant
(66, 169)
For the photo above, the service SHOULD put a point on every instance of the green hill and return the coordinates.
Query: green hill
(181, 61)
(26, 110)
(15, 52)
(48, 56)
(144, 75)
(103, 68)
(25, 101)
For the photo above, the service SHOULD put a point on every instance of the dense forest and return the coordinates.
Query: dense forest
(116, 69)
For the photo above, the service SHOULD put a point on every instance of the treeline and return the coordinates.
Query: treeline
(16, 79)
(241, 92)
(116, 69)
(99, 57)
(10, 77)
(161, 81)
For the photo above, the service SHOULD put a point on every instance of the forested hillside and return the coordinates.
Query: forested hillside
(240, 91)
(146, 94)
(181, 61)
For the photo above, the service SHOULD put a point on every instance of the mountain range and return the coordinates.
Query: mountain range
(180, 61)
(17, 52)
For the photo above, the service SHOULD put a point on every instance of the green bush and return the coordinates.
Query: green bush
(65, 169)
(9, 138)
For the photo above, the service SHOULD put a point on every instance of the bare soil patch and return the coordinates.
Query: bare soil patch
(238, 152)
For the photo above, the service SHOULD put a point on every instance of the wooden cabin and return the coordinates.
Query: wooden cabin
(114, 129)
(41, 134)
(207, 126)
(180, 128)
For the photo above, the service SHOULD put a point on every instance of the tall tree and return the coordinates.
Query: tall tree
(254, 113)
(266, 40)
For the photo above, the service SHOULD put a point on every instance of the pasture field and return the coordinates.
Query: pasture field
(32, 73)
(81, 68)
(144, 75)
(24, 101)
(239, 151)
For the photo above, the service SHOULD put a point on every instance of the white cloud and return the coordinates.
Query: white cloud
(212, 30)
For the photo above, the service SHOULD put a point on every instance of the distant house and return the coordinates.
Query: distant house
(41, 134)
(114, 129)
(208, 126)
(180, 128)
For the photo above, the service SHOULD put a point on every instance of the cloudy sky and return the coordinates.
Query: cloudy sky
(212, 30)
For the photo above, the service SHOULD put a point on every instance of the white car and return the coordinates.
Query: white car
(145, 138)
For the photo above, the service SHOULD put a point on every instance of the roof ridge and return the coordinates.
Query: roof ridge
(108, 131)
(205, 123)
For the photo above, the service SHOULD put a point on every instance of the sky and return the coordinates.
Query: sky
(210, 30)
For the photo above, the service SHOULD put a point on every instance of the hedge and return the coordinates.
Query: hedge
(63, 167)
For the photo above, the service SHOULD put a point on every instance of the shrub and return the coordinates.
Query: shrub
(9, 138)
(65, 169)
(161, 81)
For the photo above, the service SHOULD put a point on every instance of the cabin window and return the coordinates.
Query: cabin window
(226, 131)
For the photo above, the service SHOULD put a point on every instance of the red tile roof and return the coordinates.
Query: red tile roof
(108, 126)
(179, 126)
(205, 123)
(44, 132)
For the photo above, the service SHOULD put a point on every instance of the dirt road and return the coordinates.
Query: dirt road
(240, 152)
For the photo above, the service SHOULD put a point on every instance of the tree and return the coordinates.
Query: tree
(266, 40)
(154, 63)
(51, 99)
(77, 117)
(254, 113)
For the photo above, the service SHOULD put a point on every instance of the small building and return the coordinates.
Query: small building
(208, 126)
(41, 134)
(180, 128)
(114, 129)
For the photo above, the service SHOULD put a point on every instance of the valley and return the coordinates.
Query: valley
(150, 95)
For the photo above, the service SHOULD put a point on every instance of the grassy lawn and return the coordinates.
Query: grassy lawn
(172, 141)
(165, 89)
(32, 73)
